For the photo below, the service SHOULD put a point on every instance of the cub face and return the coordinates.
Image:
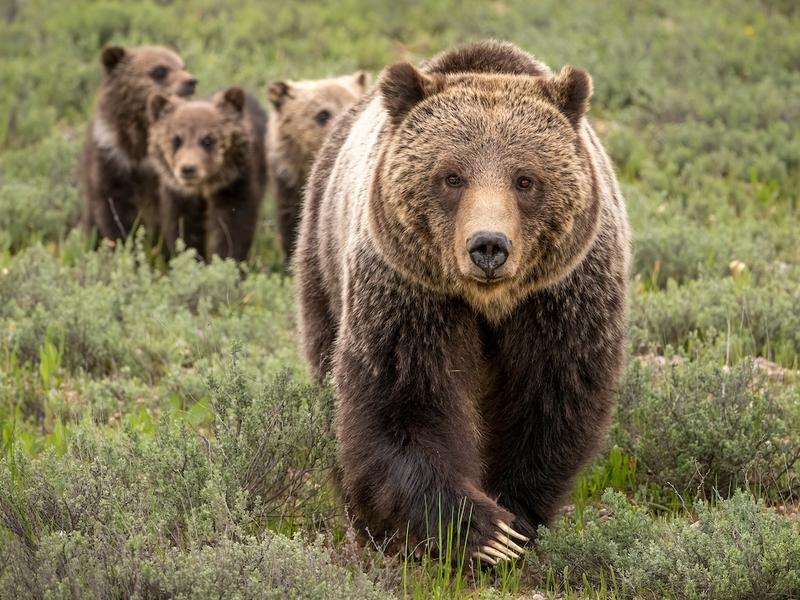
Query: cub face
(198, 145)
(485, 181)
(305, 110)
(146, 70)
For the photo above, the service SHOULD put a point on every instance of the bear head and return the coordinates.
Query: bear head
(485, 186)
(199, 146)
(144, 70)
(303, 111)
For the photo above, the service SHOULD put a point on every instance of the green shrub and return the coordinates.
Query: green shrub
(112, 316)
(121, 511)
(704, 431)
(73, 565)
(735, 549)
(749, 319)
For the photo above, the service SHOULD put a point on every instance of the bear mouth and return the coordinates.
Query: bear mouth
(488, 280)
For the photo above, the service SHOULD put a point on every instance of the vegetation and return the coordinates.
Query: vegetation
(160, 438)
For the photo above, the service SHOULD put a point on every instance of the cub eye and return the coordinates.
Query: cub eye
(453, 180)
(177, 141)
(524, 183)
(159, 73)
(208, 142)
(322, 117)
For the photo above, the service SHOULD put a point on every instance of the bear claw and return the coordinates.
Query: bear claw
(511, 532)
(501, 547)
(508, 544)
(485, 558)
(494, 551)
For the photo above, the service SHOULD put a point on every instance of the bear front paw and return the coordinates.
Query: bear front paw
(500, 546)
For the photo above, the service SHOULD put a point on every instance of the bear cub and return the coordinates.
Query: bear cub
(120, 184)
(301, 117)
(210, 157)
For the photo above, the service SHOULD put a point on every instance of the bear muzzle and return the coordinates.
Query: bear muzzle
(189, 174)
(186, 88)
(489, 251)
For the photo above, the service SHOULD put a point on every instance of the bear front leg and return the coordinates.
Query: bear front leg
(288, 202)
(549, 409)
(232, 221)
(111, 197)
(406, 374)
(182, 217)
(318, 328)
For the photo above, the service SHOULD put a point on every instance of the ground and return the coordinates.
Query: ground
(159, 433)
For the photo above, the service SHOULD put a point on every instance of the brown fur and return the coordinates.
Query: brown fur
(296, 132)
(120, 185)
(451, 385)
(213, 208)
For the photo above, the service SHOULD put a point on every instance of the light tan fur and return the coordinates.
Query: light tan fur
(293, 136)
(302, 114)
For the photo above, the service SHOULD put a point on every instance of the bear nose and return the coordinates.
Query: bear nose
(188, 87)
(188, 171)
(488, 250)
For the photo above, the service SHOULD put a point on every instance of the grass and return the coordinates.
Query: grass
(159, 436)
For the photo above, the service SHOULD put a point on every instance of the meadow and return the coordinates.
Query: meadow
(159, 435)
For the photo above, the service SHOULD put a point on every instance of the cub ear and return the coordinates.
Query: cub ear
(233, 98)
(111, 57)
(159, 105)
(571, 90)
(361, 79)
(278, 92)
(403, 86)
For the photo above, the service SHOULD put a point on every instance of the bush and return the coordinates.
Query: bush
(736, 549)
(82, 317)
(705, 431)
(136, 512)
(73, 565)
(748, 319)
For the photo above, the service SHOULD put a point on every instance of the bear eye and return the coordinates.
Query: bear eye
(453, 180)
(322, 117)
(159, 73)
(524, 183)
(177, 141)
(208, 142)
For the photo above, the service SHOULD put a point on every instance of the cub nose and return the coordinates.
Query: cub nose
(488, 250)
(188, 171)
(187, 89)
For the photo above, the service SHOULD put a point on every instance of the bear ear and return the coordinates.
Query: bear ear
(403, 86)
(571, 90)
(233, 99)
(278, 92)
(159, 105)
(111, 57)
(361, 79)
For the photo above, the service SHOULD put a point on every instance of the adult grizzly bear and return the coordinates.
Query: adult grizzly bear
(301, 117)
(462, 269)
(210, 158)
(120, 185)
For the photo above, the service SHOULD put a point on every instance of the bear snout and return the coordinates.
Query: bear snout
(188, 171)
(187, 88)
(488, 250)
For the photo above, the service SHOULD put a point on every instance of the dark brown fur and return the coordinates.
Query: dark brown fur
(120, 185)
(296, 133)
(215, 209)
(450, 388)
